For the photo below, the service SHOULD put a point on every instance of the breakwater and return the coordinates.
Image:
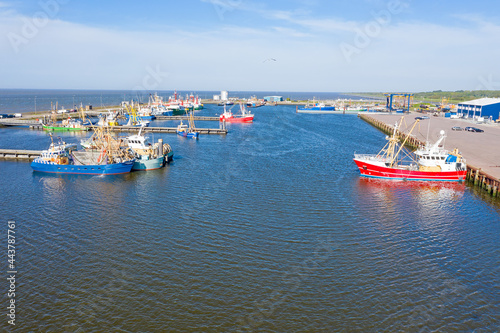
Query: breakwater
(475, 176)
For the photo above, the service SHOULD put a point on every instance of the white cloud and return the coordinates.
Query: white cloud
(404, 56)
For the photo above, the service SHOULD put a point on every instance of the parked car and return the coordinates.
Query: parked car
(421, 118)
(473, 129)
(457, 128)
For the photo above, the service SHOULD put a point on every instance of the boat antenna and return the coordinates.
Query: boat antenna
(428, 129)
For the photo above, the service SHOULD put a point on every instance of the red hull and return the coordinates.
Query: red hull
(233, 119)
(370, 170)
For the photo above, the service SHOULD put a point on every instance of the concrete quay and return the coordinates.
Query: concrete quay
(19, 154)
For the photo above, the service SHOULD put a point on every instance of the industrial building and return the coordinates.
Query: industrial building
(224, 96)
(273, 98)
(482, 107)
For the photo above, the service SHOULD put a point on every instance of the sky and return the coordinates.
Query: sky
(251, 45)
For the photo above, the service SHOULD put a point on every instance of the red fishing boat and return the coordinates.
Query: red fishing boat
(245, 116)
(430, 162)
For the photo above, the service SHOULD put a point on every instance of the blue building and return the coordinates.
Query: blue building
(483, 107)
(273, 98)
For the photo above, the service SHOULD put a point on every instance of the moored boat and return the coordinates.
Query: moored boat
(66, 125)
(109, 119)
(428, 163)
(63, 158)
(188, 131)
(245, 116)
(148, 157)
(316, 107)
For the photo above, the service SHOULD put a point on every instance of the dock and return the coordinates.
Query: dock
(171, 130)
(480, 150)
(166, 129)
(33, 124)
(202, 118)
(19, 154)
(19, 122)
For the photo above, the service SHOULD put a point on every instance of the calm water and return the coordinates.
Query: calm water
(269, 229)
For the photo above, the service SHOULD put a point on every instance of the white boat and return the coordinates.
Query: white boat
(148, 156)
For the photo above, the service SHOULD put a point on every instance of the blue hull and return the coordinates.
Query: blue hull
(189, 135)
(107, 169)
(317, 108)
(145, 165)
(142, 117)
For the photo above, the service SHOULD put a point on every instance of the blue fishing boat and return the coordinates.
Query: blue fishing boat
(142, 117)
(317, 107)
(147, 156)
(65, 159)
(185, 131)
(144, 113)
(188, 132)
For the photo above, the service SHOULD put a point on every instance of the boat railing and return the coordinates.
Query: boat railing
(372, 157)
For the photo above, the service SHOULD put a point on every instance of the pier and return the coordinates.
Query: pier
(19, 154)
(33, 122)
(202, 118)
(166, 129)
(19, 122)
(479, 149)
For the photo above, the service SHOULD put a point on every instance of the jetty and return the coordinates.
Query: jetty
(33, 122)
(220, 131)
(19, 154)
(202, 118)
(201, 130)
(479, 149)
(19, 122)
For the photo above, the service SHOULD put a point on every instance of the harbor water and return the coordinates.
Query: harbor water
(267, 229)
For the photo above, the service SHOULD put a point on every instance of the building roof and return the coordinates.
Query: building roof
(481, 101)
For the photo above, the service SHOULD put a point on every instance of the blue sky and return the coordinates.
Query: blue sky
(294, 45)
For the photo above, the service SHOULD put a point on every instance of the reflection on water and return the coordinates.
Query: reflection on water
(423, 192)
